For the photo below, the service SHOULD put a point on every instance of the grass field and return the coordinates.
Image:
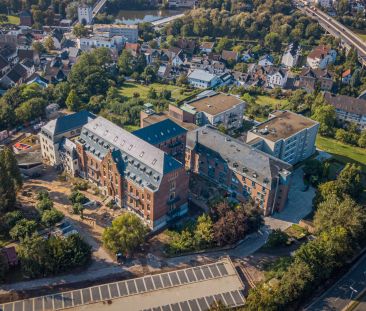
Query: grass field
(129, 88)
(360, 33)
(267, 100)
(341, 152)
(13, 20)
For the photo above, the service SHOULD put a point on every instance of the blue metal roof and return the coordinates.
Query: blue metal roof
(160, 132)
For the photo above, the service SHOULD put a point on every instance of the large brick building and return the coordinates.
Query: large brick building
(242, 170)
(136, 174)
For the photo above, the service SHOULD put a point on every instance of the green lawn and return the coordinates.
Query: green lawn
(129, 88)
(360, 33)
(13, 20)
(341, 152)
(267, 100)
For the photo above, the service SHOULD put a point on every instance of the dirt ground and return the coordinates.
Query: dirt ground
(95, 219)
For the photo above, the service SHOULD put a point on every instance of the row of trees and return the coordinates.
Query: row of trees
(340, 223)
(226, 224)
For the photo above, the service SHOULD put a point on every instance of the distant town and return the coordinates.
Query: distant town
(182, 155)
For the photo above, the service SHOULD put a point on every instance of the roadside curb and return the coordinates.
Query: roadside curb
(354, 303)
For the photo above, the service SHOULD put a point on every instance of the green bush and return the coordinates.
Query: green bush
(44, 205)
(77, 209)
(23, 228)
(51, 217)
(277, 238)
(78, 197)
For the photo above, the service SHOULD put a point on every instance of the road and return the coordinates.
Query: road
(154, 264)
(341, 293)
(338, 30)
(98, 7)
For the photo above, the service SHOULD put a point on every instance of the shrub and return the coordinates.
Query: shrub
(44, 205)
(277, 238)
(23, 228)
(51, 217)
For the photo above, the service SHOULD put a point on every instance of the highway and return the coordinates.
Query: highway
(338, 30)
(341, 294)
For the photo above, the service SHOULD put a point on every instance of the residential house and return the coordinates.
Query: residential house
(188, 46)
(181, 3)
(26, 18)
(243, 171)
(10, 54)
(276, 77)
(17, 75)
(207, 47)
(321, 56)
(133, 48)
(229, 56)
(203, 79)
(266, 60)
(4, 66)
(247, 57)
(348, 109)
(346, 76)
(286, 135)
(166, 135)
(291, 55)
(174, 56)
(73, 54)
(135, 174)
(311, 79)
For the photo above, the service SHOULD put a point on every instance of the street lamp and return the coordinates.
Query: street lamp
(352, 292)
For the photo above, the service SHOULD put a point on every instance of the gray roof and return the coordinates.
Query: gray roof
(67, 123)
(160, 132)
(133, 154)
(240, 157)
(203, 75)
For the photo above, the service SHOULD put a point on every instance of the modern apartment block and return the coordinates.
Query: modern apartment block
(131, 32)
(167, 136)
(242, 170)
(285, 135)
(137, 175)
(348, 109)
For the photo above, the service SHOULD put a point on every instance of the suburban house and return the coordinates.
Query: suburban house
(276, 77)
(321, 56)
(229, 56)
(291, 55)
(346, 76)
(202, 79)
(310, 79)
(207, 47)
(266, 60)
(348, 109)
(286, 135)
(167, 136)
(243, 171)
(135, 174)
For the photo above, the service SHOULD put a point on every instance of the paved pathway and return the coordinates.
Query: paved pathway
(95, 272)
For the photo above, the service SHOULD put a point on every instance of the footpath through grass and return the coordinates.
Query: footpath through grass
(342, 152)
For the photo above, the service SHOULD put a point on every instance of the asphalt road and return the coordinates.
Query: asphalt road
(344, 291)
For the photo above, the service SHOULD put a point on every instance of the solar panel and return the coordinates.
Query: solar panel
(194, 306)
(202, 303)
(210, 300)
(157, 309)
(206, 272)
(38, 304)
(86, 295)
(140, 285)
(219, 298)
(190, 275)
(114, 290)
(18, 306)
(122, 288)
(131, 287)
(68, 300)
(175, 307)
(166, 280)
(229, 299)
(166, 308)
(198, 273)
(149, 283)
(174, 278)
(105, 292)
(237, 297)
(157, 281)
(28, 305)
(47, 303)
(8, 307)
(182, 277)
(77, 297)
(215, 272)
(222, 269)
(57, 300)
(184, 306)
(95, 293)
